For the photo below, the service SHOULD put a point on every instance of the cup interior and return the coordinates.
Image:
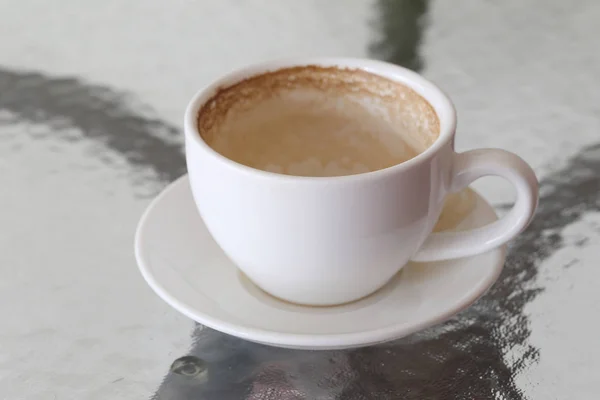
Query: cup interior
(271, 117)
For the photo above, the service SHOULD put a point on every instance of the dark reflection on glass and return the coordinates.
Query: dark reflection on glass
(70, 110)
(189, 366)
(399, 25)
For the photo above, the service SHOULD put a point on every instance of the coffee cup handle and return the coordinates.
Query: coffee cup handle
(468, 167)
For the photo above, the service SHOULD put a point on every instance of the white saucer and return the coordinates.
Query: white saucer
(187, 269)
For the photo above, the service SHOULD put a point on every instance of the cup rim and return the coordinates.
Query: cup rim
(440, 102)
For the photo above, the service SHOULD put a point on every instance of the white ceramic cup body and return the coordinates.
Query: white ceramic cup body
(331, 240)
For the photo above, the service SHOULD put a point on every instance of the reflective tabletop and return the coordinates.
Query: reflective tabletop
(91, 104)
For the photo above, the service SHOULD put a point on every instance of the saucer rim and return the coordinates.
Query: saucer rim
(301, 340)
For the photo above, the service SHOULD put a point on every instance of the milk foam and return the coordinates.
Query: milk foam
(320, 129)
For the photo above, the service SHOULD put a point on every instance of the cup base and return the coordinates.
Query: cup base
(252, 286)
(186, 268)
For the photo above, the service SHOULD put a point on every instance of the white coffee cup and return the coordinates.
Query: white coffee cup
(331, 240)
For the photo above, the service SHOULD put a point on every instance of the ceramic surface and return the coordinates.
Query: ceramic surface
(330, 240)
(185, 267)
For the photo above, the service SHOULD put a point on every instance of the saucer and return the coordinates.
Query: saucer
(187, 269)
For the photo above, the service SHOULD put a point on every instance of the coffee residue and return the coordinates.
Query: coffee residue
(316, 121)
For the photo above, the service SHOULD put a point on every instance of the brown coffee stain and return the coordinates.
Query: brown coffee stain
(457, 207)
(376, 110)
(307, 134)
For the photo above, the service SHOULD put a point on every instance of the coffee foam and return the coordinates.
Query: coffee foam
(317, 121)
